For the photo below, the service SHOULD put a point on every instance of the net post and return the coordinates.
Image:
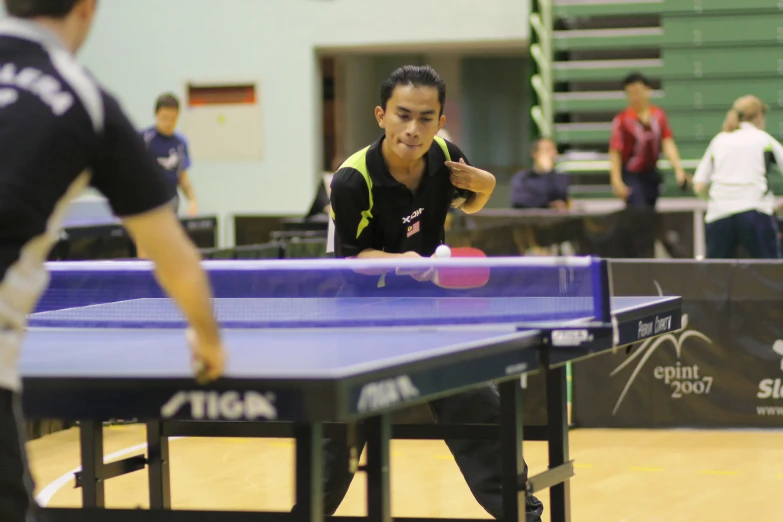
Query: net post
(602, 290)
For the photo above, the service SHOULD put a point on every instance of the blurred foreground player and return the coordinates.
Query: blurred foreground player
(59, 132)
(390, 200)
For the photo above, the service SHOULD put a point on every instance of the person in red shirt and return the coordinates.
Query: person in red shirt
(639, 134)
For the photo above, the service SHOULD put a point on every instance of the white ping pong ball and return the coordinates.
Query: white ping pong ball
(442, 251)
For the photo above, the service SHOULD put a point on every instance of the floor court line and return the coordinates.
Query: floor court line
(50, 490)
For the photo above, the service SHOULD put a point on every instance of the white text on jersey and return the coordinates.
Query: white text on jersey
(46, 88)
(415, 214)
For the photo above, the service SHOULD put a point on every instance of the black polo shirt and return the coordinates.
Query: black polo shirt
(59, 133)
(371, 209)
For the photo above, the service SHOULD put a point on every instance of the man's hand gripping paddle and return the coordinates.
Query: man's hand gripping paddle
(452, 277)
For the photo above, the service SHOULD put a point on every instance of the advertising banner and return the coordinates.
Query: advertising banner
(723, 369)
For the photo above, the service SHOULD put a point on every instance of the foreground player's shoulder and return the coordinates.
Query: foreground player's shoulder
(85, 91)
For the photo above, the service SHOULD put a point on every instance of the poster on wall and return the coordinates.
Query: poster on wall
(223, 121)
(723, 369)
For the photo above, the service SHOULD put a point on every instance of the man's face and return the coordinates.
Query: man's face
(166, 120)
(546, 154)
(411, 120)
(638, 94)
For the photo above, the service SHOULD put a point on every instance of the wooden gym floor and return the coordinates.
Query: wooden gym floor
(621, 475)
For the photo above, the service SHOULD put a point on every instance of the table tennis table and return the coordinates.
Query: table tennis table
(308, 359)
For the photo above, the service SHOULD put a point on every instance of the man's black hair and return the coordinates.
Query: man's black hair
(167, 101)
(636, 77)
(36, 8)
(417, 76)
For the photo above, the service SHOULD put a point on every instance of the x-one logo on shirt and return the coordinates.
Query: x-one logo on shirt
(415, 214)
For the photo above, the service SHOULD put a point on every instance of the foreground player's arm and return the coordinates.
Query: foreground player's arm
(137, 191)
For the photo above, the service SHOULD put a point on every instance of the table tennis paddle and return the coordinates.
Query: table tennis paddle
(461, 277)
(456, 277)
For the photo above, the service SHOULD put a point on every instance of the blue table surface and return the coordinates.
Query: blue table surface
(335, 312)
(260, 353)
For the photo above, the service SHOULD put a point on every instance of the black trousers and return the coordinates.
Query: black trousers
(755, 231)
(478, 460)
(16, 484)
(645, 188)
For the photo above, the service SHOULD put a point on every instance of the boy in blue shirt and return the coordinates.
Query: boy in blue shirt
(170, 149)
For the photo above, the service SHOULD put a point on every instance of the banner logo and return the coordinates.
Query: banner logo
(683, 380)
(772, 389)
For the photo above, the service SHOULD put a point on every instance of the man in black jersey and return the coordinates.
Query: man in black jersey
(59, 133)
(390, 200)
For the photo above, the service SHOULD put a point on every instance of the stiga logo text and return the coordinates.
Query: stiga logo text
(215, 405)
(382, 394)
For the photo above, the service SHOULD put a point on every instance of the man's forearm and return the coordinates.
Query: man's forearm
(371, 253)
(476, 202)
(671, 153)
(177, 268)
(187, 283)
(615, 166)
(187, 187)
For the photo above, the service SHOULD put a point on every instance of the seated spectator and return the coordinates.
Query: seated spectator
(541, 186)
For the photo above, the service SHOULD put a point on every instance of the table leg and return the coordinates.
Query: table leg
(91, 443)
(378, 431)
(557, 416)
(511, 432)
(158, 466)
(309, 472)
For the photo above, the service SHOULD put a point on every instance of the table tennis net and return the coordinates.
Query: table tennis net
(316, 293)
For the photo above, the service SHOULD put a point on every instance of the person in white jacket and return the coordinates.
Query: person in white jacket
(732, 176)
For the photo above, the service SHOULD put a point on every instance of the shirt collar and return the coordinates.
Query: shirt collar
(380, 174)
(633, 114)
(33, 32)
(746, 125)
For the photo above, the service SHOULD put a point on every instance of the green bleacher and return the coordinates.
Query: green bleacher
(700, 55)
